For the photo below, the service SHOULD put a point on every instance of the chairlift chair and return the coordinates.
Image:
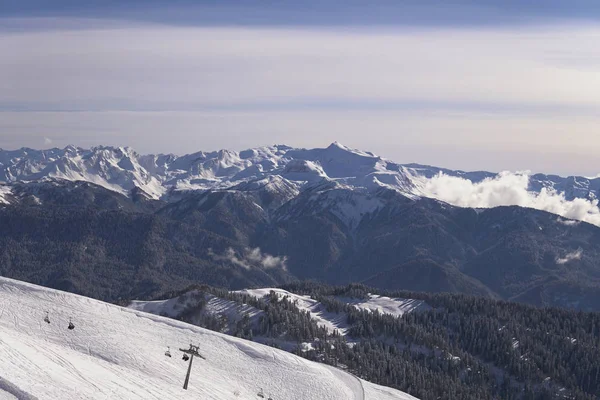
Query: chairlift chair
(71, 326)
(168, 352)
(47, 318)
(185, 357)
(261, 394)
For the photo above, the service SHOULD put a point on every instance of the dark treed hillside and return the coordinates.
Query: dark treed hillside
(89, 240)
(115, 255)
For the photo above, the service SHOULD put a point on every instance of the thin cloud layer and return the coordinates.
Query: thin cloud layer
(508, 189)
(156, 66)
(162, 88)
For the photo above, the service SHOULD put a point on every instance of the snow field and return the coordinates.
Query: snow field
(387, 305)
(118, 353)
(332, 321)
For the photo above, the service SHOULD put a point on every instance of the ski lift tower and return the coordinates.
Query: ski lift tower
(192, 351)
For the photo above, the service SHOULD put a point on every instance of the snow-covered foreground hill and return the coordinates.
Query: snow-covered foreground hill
(118, 353)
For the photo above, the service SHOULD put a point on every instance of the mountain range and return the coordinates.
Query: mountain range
(112, 224)
(164, 176)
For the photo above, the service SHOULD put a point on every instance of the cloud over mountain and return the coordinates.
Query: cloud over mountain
(252, 257)
(507, 189)
(575, 255)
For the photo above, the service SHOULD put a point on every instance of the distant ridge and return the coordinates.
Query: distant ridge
(122, 169)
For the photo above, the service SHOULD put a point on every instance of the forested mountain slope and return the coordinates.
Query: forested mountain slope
(84, 238)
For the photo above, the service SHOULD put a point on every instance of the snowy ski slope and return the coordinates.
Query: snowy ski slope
(387, 305)
(334, 321)
(331, 321)
(118, 353)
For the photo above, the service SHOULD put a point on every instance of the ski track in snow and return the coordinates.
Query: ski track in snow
(118, 353)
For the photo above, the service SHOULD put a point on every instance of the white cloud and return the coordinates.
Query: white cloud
(230, 256)
(567, 222)
(505, 190)
(576, 255)
(266, 260)
(251, 258)
(47, 141)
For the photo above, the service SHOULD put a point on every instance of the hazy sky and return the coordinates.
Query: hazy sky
(463, 84)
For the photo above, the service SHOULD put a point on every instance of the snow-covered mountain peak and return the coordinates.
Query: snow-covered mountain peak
(122, 169)
(337, 146)
(71, 148)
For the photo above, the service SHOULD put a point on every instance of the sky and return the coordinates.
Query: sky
(474, 85)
